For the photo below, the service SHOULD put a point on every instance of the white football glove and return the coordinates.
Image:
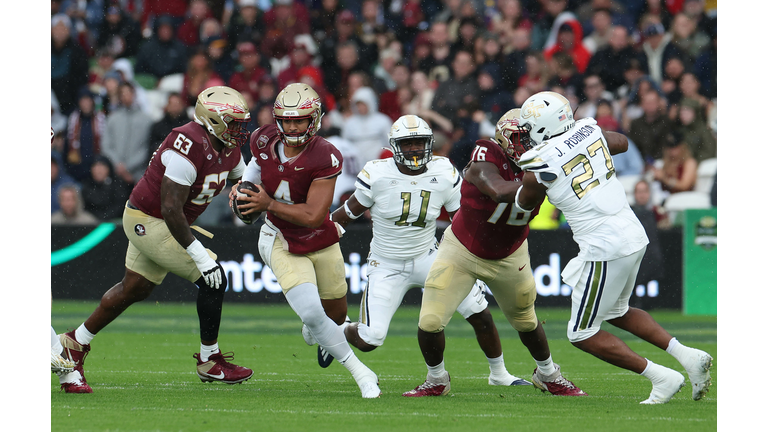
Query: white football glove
(208, 267)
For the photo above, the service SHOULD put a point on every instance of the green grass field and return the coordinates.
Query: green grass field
(143, 377)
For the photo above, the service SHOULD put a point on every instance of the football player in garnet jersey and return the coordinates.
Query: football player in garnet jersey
(186, 172)
(405, 194)
(572, 166)
(487, 240)
(295, 172)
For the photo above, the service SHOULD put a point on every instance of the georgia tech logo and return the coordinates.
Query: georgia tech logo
(532, 110)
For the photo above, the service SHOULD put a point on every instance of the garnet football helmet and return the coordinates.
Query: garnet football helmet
(512, 137)
(409, 127)
(545, 115)
(224, 113)
(298, 101)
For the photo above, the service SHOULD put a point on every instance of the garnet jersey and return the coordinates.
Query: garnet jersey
(491, 230)
(577, 169)
(212, 170)
(289, 182)
(404, 208)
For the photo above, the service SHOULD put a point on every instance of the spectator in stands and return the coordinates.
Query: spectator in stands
(125, 68)
(611, 61)
(302, 55)
(630, 102)
(174, 115)
(514, 64)
(367, 128)
(59, 178)
(103, 193)
(71, 210)
(652, 218)
(670, 85)
(390, 101)
(695, 132)
(337, 73)
(110, 95)
(189, 31)
(323, 19)
(162, 54)
(510, 17)
(199, 76)
(678, 171)
(126, 138)
(687, 37)
(119, 33)
(246, 25)
(493, 99)
(460, 89)
(69, 64)
(468, 34)
(656, 50)
(282, 23)
(153, 10)
(650, 130)
(84, 131)
(247, 79)
(656, 10)
(602, 27)
(104, 60)
(58, 121)
(594, 92)
(422, 94)
(437, 65)
(568, 41)
(690, 88)
(706, 69)
(566, 75)
(544, 22)
(536, 73)
(643, 201)
(221, 59)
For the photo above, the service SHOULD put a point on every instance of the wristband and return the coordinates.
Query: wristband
(517, 200)
(197, 251)
(349, 212)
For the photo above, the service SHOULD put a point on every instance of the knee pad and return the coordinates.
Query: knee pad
(431, 323)
(372, 336)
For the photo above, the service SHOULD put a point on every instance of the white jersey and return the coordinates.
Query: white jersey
(577, 169)
(404, 208)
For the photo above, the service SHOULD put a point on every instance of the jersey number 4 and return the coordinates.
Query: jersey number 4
(582, 183)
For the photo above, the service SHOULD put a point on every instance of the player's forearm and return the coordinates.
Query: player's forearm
(178, 226)
(299, 214)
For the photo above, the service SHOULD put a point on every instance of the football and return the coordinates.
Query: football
(249, 218)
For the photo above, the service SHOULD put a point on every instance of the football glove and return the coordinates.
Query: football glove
(208, 267)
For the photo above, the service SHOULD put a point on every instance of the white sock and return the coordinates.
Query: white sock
(546, 367)
(653, 372)
(55, 342)
(497, 366)
(672, 344)
(208, 350)
(681, 353)
(83, 336)
(437, 371)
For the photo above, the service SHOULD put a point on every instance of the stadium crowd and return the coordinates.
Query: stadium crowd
(124, 73)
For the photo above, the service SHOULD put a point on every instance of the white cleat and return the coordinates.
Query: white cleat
(664, 390)
(369, 385)
(61, 366)
(308, 338)
(698, 373)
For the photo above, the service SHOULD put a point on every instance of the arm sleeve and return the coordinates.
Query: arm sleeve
(238, 171)
(252, 172)
(178, 168)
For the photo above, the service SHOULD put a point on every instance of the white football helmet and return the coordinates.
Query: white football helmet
(545, 115)
(512, 137)
(224, 113)
(298, 101)
(409, 127)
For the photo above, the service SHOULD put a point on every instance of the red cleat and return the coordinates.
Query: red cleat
(555, 384)
(431, 387)
(218, 369)
(74, 382)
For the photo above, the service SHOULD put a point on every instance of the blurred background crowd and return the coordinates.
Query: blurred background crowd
(126, 72)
